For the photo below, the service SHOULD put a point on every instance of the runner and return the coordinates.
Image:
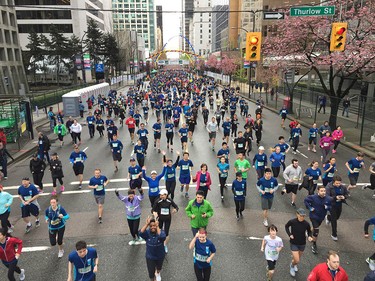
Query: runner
(6, 201)
(260, 162)
(10, 251)
(84, 262)
(325, 144)
(313, 133)
(37, 168)
(192, 122)
(111, 131)
(78, 158)
(248, 136)
(271, 246)
(185, 165)
(155, 252)
(140, 152)
(354, 165)
(76, 130)
(169, 134)
(56, 216)
(203, 179)
(137, 117)
(314, 174)
(157, 134)
(223, 169)
(204, 252)
(98, 182)
(224, 152)
(116, 149)
(292, 176)
(240, 144)
(29, 195)
(134, 175)
(283, 113)
(339, 193)
(370, 260)
(239, 191)
(226, 129)
(318, 204)
(331, 270)
(199, 211)
(130, 122)
(284, 149)
(372, 179)
(170, 174)
(205, 113)
(296, 134)
(153, 183)
(162, 212)
(56, 173)
(258, 128)
(100, 125)
(267, 186)
(90, 121)
(242, 165)
(44, 145)
(296, 229)
(212, 128)
(234, 122)
(337, 135)
(143, 136)
(133, 213)
(329, 170)
(276, 159)
(61, 131)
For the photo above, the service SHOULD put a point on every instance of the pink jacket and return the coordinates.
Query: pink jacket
(326, 142)
(198, 180)
(337, 134)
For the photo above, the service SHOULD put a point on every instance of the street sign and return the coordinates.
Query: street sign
(273, 16)
(246, 64)
(312, 11)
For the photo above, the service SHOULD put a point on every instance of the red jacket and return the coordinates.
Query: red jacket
(321, 273)
(198, 179)
(3, 138)
(9, 253)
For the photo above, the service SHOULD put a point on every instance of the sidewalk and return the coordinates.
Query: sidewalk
(308, 114)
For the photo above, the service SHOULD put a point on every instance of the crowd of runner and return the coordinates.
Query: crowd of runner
(176, 98)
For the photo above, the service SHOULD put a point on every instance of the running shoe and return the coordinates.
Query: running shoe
(166, 249)
(53, 192)
(22, 274)
(116, 169)
(265, 223)
(368, 260)
(37, 223)
(238, 218)
(373, 196)
(62, 188)
(10, 230)
(283, 191)
(314, 249)
(5, 178)
(28, 228)
(222, 198)
(295, 268)
(140, 241)
(132, 242)
(157, 276)
(60, 254)
(187, 195)
(182, 188)
(327, 221)
(334, 238)
(100, 220)
(292, 271)
(293, 204)
(80, 186)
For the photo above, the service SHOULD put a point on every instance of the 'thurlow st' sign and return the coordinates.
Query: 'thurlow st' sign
(312, 11)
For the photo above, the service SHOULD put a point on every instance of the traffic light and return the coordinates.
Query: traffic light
(253, 45)
(338, 36)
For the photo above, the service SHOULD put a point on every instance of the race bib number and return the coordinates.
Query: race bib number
(84, 270)
(315, 181)
(26, 198)
(330, 175)
(326, 144)
(90, 122)
(78, 159)
(295, 178)
(260, 164)
(240, 145)
(143, 134)
(114, 144)
(40, 142)
(169, 176)
(200, 258)
(154, 189)
(134, 177)
(356, 170)
(185, 167)
(110, 131)
(267, 190)
(164, 211)
(55, 222)
(100, 188)
(131, 208)
(239, 193)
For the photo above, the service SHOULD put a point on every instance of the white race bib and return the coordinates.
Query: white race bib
(154, 189)
(134, 176)
(239, 193)
(100, 188)
(164, 211)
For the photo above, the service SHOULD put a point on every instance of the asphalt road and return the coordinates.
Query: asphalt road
(238, 243)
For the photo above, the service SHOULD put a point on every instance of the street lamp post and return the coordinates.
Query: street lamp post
(82, 60)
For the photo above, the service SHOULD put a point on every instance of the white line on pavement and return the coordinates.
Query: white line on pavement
(303, 155)
(85, 149)
(254, 238)
(35, 249)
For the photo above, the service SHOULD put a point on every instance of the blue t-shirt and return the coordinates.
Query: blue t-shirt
(276, 159)
(330, 173)
(226, 126)
(83, 267)
(267, 186)
(79, 157)
(169, 128)
(355, 165)
(134, 171)
(223, 167)
(90, 120)
(100, 190)
(116, 146)
(157, 126)
(170, 174)
(283, 147)
(296, 133)
(225, 153)
(139, 150)
(260, 161)
(137, 117)
(54, 222)
(202, 252)
(313, 133)
(142, 133)
(315, 174)
(239, 190)
(185, 167)
(183, 132)
(112, 130)
(27, 193)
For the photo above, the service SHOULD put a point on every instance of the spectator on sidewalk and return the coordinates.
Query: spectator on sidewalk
(3, 137)
(346, 105)
(324, 128)
(322, 104)
(337, 136)
(51, 118)
(4, 160)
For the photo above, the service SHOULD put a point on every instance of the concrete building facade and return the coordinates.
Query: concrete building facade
(201, 27)
(138, 19)
(12, 74)
(159, 27)
(220, 39)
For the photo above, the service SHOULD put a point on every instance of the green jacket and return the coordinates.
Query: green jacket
(63, 129)
(193, 209)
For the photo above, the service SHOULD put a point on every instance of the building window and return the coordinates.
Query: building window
(201, 31)
(201, 37)
(201, 41)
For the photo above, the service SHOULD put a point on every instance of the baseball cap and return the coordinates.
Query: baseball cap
(163, 192)
(301, 212)
(153, 172)
(261, 148)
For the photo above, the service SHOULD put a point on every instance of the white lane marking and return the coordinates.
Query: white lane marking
(254, 238)
(17, 186)
(303, 155)
(85, 149)
(35, 249)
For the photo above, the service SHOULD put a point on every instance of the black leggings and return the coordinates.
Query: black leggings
(170, 138)
(141, 161)
(223, 181)
(166, 224)
(54, 181)
(240, 206)
(170, 186)
(12, 267)
(76, 136)
(295, 144)
(275, 171)
(4, 220)
(333, 217)
(134, 227)
(336, 142)
(202, 274)
(38, 178)
(59, 233)
(234, 131)
(152, 199)
(205, 191)
(153, 265)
